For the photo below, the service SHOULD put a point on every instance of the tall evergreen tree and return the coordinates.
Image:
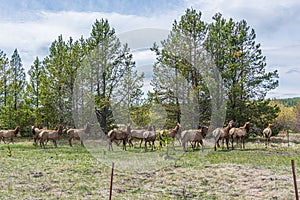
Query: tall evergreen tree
(54, 83)
(16, 88)
(34, 91)
(58, 82)
(4, 71)
(35, 75)
(242, 66)
(182, 59)
(127, 94)
(107, 63)
(17, 79)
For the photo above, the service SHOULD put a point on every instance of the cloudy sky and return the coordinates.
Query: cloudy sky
(32, 25)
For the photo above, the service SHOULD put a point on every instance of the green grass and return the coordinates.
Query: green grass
(29, 172)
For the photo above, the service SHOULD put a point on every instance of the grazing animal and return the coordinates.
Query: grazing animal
(53, 135)
(194, 136)
(9, 134)
(150, 136)
(267, 133)
(36, 134)
(223, 134)
(171, 133)
(239, 133)
(118, 135)
(74, 133)
(137, 134)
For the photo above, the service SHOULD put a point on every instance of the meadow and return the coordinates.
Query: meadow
(30, 172)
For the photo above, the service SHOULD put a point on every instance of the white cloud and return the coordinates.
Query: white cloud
(30, 37)
(275, 22)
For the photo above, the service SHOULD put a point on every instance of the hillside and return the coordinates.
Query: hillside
(289, 102)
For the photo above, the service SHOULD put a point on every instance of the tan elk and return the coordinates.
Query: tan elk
(53, 135)
(222, 134)
(115, 134)
(9, 134)
(194, 136)
(267, 133)
(36, 134)
(171, 133)
(74, 133)
(240, 134)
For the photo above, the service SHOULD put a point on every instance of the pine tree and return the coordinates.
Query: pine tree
(58, 81)
(127, 94)
(4, 71)
(242, 66)
(178, 81)
(16, 88)
(53, 85)
(33, 91)
(104, 69)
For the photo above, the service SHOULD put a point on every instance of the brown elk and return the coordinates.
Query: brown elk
(74, 133)
(9, 134)
(36, 134)
(150, 136)
(194, 136)
(171, 133)
(137, 134)
(267, 133)
(239, 133)
(118, 135)
(53, 135)
(223, 134)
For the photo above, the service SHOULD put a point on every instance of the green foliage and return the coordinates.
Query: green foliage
(140, 114)
(4, 70)
(263, 113)
(12, 90)
(285, 117)
(9, 152)
(297, 117)
(33, 94)
(288, 102)
(232, 49)
(113, 61)
(179, 66)
(128, 94)
(242, 66)
(186, 79)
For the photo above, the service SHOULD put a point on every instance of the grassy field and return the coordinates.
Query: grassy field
(29, 172)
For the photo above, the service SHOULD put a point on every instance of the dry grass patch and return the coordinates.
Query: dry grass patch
(73, 173)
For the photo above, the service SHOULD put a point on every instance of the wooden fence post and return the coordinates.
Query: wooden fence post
(295, 180)
(111, 180)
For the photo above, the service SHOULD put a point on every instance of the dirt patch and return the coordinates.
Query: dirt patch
(226, 181)
(72, 173)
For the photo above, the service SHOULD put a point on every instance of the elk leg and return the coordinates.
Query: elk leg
(110, 145)
(124, 144)
(54, 142)
(227, 142)
(201, 142)
(70, 142)
(141, 143)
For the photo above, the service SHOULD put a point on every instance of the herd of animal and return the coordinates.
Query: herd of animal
(127, 136)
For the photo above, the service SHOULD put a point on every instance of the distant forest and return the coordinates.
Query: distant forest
(289, 102)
